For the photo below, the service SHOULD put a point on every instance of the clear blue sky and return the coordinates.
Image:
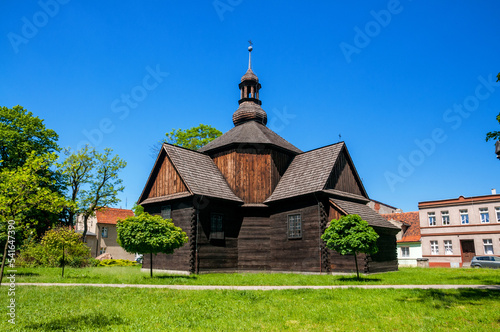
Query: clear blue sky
(390, 77)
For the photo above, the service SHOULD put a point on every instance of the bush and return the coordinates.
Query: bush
(117, 262)
(49, 252)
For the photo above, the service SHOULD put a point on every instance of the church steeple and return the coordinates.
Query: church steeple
(249, 109)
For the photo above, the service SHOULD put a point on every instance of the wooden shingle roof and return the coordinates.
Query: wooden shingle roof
(249, 134)
(200, 174)
(364, 211)
(307, 173)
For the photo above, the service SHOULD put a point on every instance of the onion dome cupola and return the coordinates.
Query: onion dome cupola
(249, 109)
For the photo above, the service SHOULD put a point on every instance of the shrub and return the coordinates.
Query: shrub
(117, 262)
(49, 252)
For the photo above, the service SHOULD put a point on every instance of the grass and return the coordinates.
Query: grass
(126, 309)
(134, 275)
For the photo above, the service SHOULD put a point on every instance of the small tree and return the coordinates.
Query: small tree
(351, 235)
(147, 234)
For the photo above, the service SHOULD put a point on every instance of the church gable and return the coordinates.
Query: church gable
(344, 176)
(165, 180)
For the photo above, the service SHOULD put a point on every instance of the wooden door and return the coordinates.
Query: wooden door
(468, 250)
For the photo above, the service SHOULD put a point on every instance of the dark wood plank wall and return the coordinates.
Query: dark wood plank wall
(384, 260)
(279, 164)
(254, 243)
(296, 254)
(342, 177)
(219, 255)
(333, 213)
(179, 260)
(346, 263)
(166, 180)
(252, 174)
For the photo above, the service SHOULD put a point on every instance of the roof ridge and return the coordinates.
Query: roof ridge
(322, 147)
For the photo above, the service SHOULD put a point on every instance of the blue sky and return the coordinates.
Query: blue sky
(409, 85)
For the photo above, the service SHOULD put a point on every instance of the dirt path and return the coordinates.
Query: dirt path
(211, 287)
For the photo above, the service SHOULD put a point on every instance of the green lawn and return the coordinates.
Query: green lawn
(133, 275)
(127, 309)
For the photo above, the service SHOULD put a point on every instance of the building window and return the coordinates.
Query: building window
(216, 229)
(102, 250)
(405, 251)
(104, 231)
(485, 216)
(446, 217)
(464, 217)
(488, 246)
(294, 226)
(448, 248)
(497, 209)
(166, 212)
(432, 218)
(434, 248)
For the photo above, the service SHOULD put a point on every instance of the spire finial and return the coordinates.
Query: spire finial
(250, 48)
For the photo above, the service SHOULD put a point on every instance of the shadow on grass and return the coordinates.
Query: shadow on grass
(439, 298)
(190, 277)
(27, 274)
(91, 320)
(361, 279)
(483, 280)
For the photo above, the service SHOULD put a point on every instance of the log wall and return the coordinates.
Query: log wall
(296, 254)
(182, 215)
(343, 176)
(167, 180)
(252, 173)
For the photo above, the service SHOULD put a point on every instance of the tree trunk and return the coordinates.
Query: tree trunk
(151, 265)
(85, 221)
(3, 258)
(357, 269)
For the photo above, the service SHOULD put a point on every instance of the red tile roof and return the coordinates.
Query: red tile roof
(412, 234)
(111, 215)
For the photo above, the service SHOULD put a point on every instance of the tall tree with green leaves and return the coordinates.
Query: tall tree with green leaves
(494, 135)
(77, 172)
(21, 135)
(147, 234)
(193, 138)
(351, 235)
(21, 190)
(104, 185)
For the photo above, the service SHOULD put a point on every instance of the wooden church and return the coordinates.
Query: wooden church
(251, 201)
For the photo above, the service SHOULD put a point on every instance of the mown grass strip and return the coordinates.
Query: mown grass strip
(112, 309)
(134, 275)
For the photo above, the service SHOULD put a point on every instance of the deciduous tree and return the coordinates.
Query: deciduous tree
(193, 138)
(21, 135)
(21, 190)
(104, 185)
(147, 234)
(351, 235)
(77, 172)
